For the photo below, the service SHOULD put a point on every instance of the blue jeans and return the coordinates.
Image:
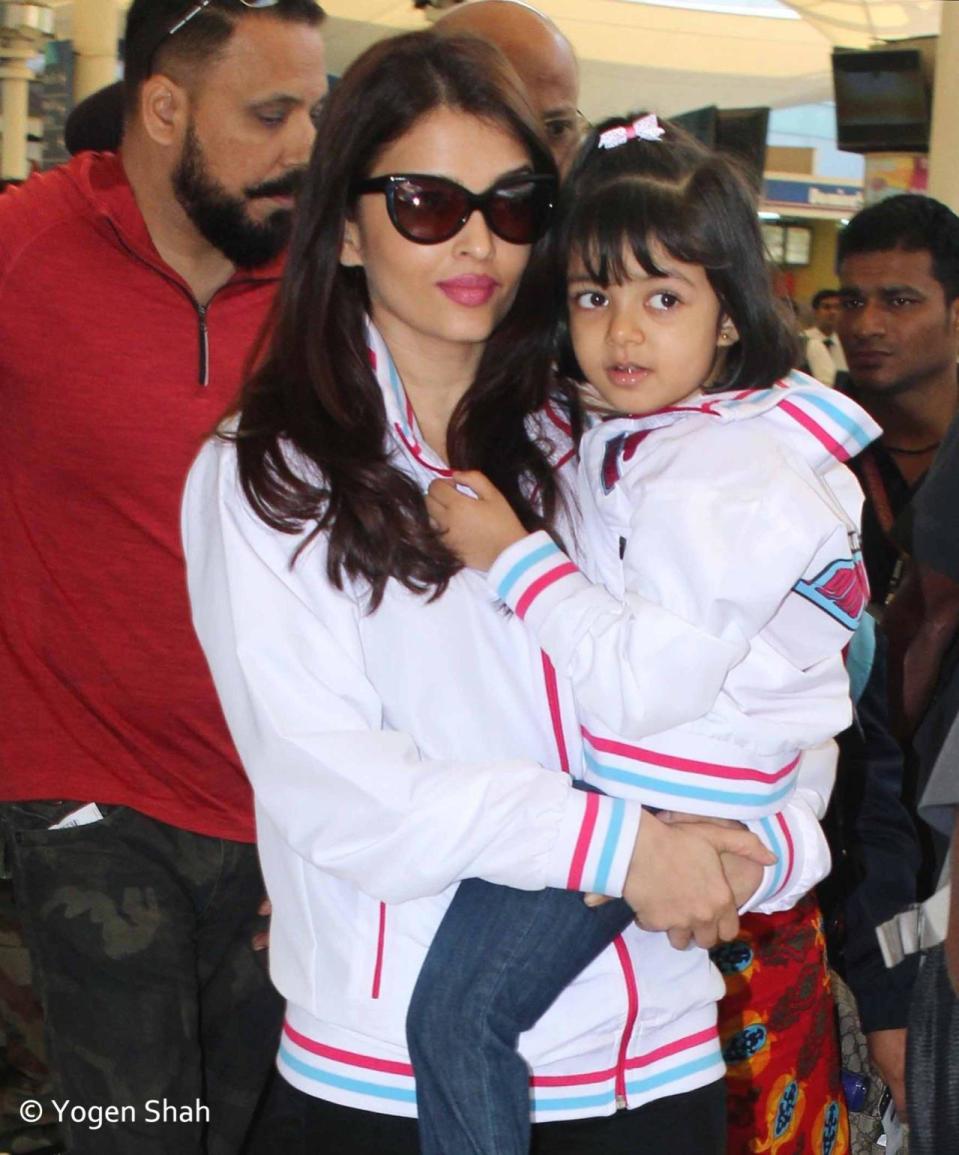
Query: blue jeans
(499, 959)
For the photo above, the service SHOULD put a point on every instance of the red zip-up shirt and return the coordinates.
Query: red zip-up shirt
(111, 376)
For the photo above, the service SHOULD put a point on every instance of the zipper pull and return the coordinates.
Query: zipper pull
(204, 367)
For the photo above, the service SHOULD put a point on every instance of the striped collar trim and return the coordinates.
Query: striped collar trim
(399, 411)
(840, 427)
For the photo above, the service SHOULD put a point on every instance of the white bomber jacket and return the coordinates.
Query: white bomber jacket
(736, 512)
(394, 753)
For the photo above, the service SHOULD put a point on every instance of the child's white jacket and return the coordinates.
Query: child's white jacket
(394, 753)
(735, 512)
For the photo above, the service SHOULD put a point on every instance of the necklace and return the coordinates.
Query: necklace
(910, 452)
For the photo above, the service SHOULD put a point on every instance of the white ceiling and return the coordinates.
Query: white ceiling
(857, 23)
(674, 56)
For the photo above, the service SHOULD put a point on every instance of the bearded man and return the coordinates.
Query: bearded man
(133, 285)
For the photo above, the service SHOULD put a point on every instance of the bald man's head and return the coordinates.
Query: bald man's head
(542, 56)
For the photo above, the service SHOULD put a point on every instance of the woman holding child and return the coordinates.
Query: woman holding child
(404, 732)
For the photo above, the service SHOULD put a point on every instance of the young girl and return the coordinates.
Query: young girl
(710, 486)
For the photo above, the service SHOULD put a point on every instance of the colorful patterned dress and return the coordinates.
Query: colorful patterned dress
(779, 1037)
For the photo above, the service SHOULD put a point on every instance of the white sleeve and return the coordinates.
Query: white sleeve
(795, 835)
(355, 799)
(820, 362)
(716, 541)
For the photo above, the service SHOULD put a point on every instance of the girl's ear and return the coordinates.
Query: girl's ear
(351, 251)
(728, 334)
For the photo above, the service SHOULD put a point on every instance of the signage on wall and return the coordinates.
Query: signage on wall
(888, 174)
(821, 198)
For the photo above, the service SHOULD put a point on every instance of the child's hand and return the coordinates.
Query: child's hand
(477, 529)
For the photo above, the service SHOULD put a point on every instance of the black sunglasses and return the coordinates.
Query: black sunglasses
(195, 11)
(430, 209)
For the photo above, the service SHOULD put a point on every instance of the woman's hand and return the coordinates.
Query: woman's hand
(744, 875)
(477, 529)
(677, 880)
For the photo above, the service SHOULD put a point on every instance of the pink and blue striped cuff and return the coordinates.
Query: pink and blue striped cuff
(595, 843)
(533, 575)
(781, 876)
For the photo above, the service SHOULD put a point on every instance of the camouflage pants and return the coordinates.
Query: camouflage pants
(162, 1025)
(23, 1060)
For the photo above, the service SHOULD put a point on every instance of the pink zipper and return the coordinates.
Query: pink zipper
(632, 1010)
(380, 944)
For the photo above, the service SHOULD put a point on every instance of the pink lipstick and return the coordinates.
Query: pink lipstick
(471, 289)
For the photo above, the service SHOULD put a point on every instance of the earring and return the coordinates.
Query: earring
(725, 336)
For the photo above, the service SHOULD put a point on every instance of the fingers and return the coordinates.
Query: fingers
(705, 934)
(728, 927)
(680, 817)
(478, 482)
(442, 491)
(261, 940)
(441, 498)
(676, 881)
(596, 899)
(726, 840)
(680, 939)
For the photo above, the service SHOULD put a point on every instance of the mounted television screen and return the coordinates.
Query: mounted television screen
(882, 104)
(700, 122)
(743, 131)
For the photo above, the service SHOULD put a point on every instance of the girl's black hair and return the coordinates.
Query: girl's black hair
(314, 397)
(700, 207)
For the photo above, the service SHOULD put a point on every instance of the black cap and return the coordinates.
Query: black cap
(96, 123)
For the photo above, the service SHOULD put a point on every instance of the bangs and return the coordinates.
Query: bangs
(630, 217)
(674, 197)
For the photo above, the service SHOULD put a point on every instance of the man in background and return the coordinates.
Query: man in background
(926, 631)
(543, 58)
(133, 287)
(824, 355)
(898, 266)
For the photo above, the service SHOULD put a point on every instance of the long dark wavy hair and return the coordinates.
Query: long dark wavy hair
(699, 205)
(312, 439)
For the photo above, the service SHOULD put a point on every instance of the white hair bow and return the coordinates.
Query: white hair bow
(646, 128)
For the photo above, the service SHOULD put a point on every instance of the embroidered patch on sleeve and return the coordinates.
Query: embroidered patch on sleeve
(838, 590)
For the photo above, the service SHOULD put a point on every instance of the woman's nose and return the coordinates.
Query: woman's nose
(475, 239)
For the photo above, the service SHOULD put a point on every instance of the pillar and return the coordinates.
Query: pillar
(23, 28)
(14, 89)
(95, 31)
(944, 137)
